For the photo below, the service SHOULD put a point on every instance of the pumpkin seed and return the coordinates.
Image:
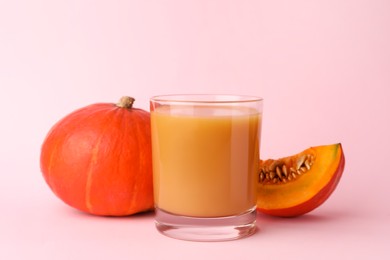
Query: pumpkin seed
(307, 164)
(284, 170)
(300, 161)
(279, 172)
(262, 176)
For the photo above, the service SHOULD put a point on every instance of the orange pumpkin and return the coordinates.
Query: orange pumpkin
(98, 159)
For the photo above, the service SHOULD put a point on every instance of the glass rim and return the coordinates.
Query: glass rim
(206, 98)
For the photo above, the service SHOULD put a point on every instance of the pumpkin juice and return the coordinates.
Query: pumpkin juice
(205, 159)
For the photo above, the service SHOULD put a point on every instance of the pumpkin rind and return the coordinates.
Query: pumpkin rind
(310, 190)
(98, 160)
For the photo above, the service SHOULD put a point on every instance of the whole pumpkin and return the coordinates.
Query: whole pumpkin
(98, 159)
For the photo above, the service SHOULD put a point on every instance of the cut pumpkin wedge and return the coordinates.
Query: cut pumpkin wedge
(295, 185)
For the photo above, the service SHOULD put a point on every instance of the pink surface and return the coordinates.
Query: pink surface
(323, 68)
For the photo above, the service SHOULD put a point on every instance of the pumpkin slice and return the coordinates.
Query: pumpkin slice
(295, 185)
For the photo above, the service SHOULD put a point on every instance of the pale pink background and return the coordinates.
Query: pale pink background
(323, 68)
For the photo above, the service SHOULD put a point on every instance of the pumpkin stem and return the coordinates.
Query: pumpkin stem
(126, 102)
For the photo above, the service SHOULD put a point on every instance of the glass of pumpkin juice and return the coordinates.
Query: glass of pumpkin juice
(205, 158)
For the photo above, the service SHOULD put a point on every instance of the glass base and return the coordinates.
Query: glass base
(206, 229)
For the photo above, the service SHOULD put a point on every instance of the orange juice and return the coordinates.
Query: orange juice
(205, 159)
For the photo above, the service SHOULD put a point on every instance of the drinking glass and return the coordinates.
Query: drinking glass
(205, 161)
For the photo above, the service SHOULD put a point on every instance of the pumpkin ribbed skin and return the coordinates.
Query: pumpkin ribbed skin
(98, 160)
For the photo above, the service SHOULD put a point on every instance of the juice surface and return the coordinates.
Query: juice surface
(205, 159)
